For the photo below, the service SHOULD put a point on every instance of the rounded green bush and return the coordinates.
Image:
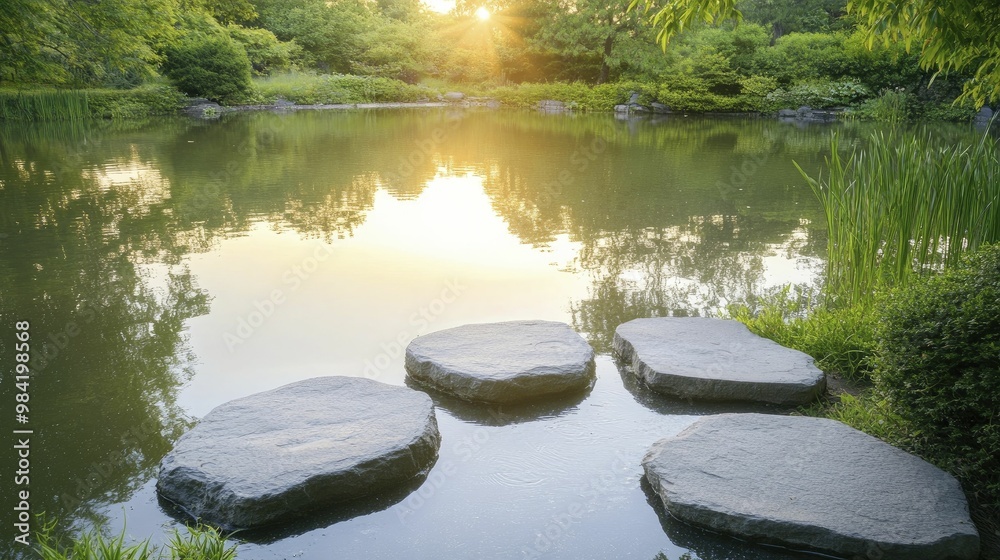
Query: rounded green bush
(211, 66)
(939, 365)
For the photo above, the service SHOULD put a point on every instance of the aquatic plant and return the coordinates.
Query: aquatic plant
(199, 543)
(904, 206)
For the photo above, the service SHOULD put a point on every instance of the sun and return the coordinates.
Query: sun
(482, 13)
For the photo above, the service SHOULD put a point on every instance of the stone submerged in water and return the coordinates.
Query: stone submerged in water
(505, 362)
(716, 359)
(261, 459)
(811, 483)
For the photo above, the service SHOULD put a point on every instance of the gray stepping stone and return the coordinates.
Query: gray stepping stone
(261, 459)
(716, 359)
(811, 483)
(502, 362)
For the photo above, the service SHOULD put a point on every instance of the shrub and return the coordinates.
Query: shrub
(136, 103)
(893, 106)
(577, 95)
(803, 56)
(213, 66)
(938, 364)
(818, 95)
(310, 89)
(264, 51)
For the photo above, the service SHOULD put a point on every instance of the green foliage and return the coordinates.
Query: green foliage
(264, 51)
(672, 18)
(951, 36)
(309, 89)
(937, 365)
(70, 43)
(869, 413)
(902, 206)
(577, 95)
(804, 57)
(331, 35)
(794, 16)
(200, 543)
(840, 339)
(213, 66)
(37, 105)
(893, 106)
(91, 545)
(818, 95)
(956, 112)
(40, 105)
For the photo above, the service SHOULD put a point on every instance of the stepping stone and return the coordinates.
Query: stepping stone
(274, 455)
(716, 359)
(502, 362)
(811, 483)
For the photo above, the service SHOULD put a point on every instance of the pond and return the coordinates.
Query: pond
(169, 266)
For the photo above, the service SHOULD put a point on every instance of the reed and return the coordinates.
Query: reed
(904, 206)
(35, 105)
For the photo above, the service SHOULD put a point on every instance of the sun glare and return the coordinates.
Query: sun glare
(482, 13)
(440, 6)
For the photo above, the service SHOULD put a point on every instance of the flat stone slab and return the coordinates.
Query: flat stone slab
(505, 362)
(260, 459)
(716, 359)
(811, 483)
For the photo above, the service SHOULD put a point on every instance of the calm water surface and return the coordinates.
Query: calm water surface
(169, 266)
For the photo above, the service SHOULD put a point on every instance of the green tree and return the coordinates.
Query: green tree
(82, 43)
(951, 35)
(212, 66)
(266, 53)
(330, 32)
(593, 37)
(794, 16)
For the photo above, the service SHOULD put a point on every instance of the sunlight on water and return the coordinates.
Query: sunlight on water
(348, 307)
(171, 266)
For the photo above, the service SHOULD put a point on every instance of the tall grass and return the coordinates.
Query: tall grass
(44, 105)
(200, 543)
(79, 104)
(900, 207)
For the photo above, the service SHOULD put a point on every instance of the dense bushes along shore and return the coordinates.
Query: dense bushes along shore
(909, 311)
(311, 89)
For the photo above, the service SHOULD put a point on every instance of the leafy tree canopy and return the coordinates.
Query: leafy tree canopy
(952, 35)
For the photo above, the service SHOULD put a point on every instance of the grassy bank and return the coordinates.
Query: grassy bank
(68, 104)
(756, 95)
(910, 310)
(311, 89)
